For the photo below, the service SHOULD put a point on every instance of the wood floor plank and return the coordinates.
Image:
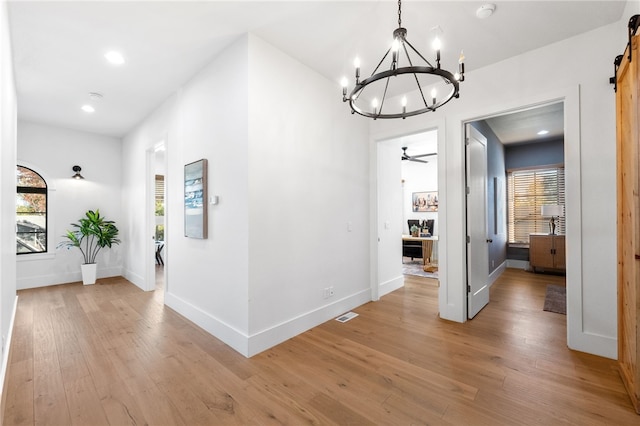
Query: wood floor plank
(120, 407)
(50, 403)
(112, 354)
(19, 401)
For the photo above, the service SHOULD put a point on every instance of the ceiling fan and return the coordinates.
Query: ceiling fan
(415, 158)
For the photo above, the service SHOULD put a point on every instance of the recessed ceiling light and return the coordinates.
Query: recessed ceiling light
(88, 109)
(543, 132)
(485, 10)
(114, 57)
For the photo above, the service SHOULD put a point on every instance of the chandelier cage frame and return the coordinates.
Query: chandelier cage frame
(403, 45)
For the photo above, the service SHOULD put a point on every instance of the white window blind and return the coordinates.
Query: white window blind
(160, 188)
(528, 190)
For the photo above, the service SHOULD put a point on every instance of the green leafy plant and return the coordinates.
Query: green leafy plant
(93, 233)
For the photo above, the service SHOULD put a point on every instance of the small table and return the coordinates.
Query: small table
(428, 253)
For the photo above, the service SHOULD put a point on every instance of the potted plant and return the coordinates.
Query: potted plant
(93, 232)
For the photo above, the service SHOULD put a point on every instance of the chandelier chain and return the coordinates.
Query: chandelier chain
(399, 13)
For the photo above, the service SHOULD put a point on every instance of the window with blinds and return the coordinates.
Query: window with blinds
(527, 191)
(160, 188)
(159, 208)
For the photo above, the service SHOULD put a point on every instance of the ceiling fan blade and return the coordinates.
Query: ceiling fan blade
(424, 155)
(417, 161)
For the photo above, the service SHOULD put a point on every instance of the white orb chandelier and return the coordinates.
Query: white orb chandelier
(368, 96)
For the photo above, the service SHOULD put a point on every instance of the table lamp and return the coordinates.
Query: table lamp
(552, 211)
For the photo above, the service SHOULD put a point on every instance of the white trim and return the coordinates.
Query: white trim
(267, 338)
(391, 285)
(410, 127)
(497, 272)
(134, 278)
(70, 277)
(27, 257)
(518, 264)
(7, 349)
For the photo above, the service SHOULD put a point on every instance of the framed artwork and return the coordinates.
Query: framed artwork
(425, 201)
(195, 199)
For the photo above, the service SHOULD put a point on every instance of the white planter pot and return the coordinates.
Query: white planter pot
(89, 273)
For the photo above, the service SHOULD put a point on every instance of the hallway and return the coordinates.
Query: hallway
(112, 354)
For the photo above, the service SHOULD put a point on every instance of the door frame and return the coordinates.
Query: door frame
(150, 220)
(375, 139)
(576, 337)
(452, 290)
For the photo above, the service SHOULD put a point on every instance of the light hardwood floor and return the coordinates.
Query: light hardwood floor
(112, 354)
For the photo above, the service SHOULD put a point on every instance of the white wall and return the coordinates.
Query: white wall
(308, 187)
(387, 244)
(208, 279)
(291, 172)
(52, 152)
(418, 177)
(8, 114)
(580, 77)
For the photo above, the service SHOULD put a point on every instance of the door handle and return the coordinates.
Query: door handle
(489, 240)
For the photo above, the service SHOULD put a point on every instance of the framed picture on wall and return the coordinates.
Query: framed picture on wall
(195, 199)
(425, 201)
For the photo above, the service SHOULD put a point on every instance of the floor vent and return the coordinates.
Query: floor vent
(346, 317)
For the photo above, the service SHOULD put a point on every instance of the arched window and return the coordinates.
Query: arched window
(31, 212)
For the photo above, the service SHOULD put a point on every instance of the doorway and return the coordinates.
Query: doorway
(156, 247)
(528, 138)
(398, 181)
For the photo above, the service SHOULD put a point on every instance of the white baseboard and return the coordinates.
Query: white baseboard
(46, 280)
(518, 264)
(497, 272)
(276, 334)
(7, 348)
(233, 337)
(391, 285)
(134, 278)
(250, 345)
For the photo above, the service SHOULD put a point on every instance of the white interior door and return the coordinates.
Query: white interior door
(477, 239)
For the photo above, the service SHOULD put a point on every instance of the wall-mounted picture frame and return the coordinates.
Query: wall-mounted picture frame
(425, 201)
(195, 199)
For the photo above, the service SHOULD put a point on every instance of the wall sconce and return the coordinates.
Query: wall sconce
(77, 175)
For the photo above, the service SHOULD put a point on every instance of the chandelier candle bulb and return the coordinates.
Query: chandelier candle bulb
(394, 53)
(437, 45)
(403, 102)
(356, 63)
(344, 83)
(434, 93)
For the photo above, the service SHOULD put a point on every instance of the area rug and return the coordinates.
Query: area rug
(556, 299)
(414, 267)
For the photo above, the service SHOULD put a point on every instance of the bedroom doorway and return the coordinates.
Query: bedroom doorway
(530, 139)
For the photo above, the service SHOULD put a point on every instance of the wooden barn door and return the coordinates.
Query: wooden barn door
(628, 165)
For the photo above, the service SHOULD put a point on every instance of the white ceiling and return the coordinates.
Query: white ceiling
(523, 126)
(59, 46)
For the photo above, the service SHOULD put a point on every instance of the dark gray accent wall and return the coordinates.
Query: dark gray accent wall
(534, 154)
(495, 169)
